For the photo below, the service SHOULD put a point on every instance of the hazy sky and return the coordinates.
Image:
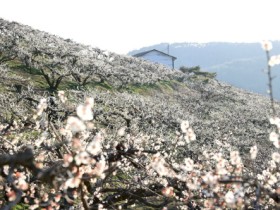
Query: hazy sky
(124, 25)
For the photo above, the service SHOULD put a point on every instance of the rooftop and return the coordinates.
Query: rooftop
(145, 52)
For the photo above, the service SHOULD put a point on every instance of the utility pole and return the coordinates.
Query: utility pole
(168, 48)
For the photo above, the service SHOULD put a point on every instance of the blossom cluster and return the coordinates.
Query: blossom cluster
(91, 166)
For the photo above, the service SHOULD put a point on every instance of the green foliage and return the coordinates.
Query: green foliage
(189, 70)
(21, 207)
(166, 86)
(196, 73)
(99, 85)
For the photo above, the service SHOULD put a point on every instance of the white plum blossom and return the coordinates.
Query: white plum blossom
(160, 166)
(188, 164)
(260, 177)
(21, 184)
(221, 165)
(275, 121)
(75, 125)
(121, 131)
(274, 137)
(82, 158)
(190, 135)
(62, 97)
(235, 158)
(276, 144)
(276, 157)
(210, 179)
(184, 126)
(20, 181)
(94, 147)
(266, 45)
(272, 180)
(67, 159)
(272, 164)
(6, 169)
(11, 194)
(89, 102)
(84, 112)
(41, 107)
(253, 152)
(274, 60)
(168, 191)
(230, 198)
(73, 182)
(66, 132)
(100, 167)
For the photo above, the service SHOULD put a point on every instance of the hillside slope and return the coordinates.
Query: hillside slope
(146, 101)
(204, 103)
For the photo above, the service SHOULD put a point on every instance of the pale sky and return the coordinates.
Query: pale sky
(124, 25)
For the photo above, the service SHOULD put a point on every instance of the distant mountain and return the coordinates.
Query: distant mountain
(240, 64)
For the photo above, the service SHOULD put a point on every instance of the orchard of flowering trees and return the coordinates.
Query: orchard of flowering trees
(56, 60)
(181, 144)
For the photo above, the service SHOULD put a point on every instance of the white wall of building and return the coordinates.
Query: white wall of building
(158, 57)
